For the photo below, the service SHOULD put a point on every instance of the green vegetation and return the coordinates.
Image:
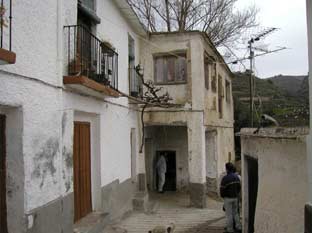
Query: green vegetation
(285, 98)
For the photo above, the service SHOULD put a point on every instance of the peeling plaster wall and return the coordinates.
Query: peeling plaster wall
(42, 173)
(282, 190)
(14, 167)
(159, 44)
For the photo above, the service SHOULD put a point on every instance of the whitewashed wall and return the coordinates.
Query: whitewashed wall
(283, 179)
(34, 84)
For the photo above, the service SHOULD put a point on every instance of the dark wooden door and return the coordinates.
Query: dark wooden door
(82, 170)
(3, 207)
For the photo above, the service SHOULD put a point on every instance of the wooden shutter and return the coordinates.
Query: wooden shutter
(171, 69)
(159, 69)
(181, 68)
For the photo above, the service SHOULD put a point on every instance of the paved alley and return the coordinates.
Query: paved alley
(174, 208)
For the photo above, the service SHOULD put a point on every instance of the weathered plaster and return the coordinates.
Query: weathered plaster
(117, 198)
(14, 167)
(282, 190)
(43, 133)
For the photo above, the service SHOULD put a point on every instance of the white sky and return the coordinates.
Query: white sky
(290, 17)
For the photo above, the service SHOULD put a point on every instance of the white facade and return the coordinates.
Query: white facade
(44, 110)
(208, 133)
(278, 190)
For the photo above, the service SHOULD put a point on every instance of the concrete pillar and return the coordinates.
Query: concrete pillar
(197, 160)
(309, 140)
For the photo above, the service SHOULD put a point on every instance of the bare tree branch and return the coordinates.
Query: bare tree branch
(220, 19)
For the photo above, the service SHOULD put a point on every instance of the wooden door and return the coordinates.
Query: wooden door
(3, 207)
(82, 170)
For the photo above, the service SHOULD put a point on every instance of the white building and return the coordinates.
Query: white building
(67, 136)
(197, 134)
(70, 140)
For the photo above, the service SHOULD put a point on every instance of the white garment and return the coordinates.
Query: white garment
(161, 181)
(161, 167)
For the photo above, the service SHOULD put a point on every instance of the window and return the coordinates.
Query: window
(228, 91)
(170, 69)
(135, 82)
(206, 72)
(220, 96)
(214, 78)
(87, 3)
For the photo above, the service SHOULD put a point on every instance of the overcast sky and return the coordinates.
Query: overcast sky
(290, 17)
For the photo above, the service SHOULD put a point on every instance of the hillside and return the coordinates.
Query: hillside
(280, 97)
(290, 84)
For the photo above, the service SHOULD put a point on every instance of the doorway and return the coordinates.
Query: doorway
(3, 205)
(171, 174)
(82, 170)
(252, 171)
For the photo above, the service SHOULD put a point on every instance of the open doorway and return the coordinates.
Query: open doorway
(171, 174)
(252, 171)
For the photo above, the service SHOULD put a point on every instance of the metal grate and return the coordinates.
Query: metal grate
(6, 25)
(89, 56)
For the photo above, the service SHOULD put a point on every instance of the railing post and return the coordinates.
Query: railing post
(10, 22)
(2, 22)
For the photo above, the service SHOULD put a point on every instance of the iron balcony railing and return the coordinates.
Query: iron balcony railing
(135, 84)
(89, 56)
(6, 24)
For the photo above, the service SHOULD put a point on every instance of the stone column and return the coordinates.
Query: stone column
(197, 160)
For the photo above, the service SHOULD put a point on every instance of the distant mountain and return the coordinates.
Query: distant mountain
(286, 98)
(290, 84)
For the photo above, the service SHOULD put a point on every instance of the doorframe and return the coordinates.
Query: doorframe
(245, 191)
(3, 134)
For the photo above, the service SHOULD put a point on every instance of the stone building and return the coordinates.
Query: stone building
(70, 136)
(197, 135)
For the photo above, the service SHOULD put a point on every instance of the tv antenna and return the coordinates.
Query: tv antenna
(251, 58)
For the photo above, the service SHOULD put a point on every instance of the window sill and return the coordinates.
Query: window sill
(173, 83)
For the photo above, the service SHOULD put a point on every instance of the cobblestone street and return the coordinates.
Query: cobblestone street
(174, 208)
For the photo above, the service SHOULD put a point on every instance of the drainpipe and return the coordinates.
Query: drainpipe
(59, 42)
(59, 74)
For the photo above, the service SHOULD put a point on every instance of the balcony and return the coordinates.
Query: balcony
(6, 54)
(92, 66)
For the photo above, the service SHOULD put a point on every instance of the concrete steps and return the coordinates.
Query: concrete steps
(140, 201)
(94, 222)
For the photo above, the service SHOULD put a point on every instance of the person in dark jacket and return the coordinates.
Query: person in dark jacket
(229, 190)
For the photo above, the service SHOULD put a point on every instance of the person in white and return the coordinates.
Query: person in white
(161, 168)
